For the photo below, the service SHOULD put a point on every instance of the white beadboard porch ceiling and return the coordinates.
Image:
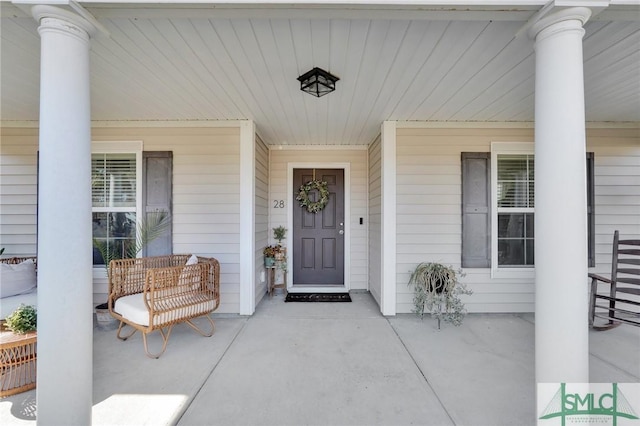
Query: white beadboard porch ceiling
(200, 62)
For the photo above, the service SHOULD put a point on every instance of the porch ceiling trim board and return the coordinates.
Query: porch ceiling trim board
(318, 147)
(506, 125)
(514, 10)
(425, 10)
(400, 124)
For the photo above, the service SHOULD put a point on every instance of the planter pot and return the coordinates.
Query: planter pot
(269, 262)
(105, 320)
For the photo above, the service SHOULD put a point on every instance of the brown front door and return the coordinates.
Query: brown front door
(318, 238)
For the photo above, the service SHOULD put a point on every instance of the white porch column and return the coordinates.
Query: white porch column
(561, 330)
(65, 311)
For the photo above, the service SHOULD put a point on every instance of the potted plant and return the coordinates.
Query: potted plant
(147, 230)
(269, 254)
(279, 234)
(437, 290)
(23, 320)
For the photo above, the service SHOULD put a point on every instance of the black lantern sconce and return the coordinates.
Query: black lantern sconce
(317, 82)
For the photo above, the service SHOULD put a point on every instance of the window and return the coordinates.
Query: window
(512, 206)
(515, 209)
(114, 194)
(498, 204)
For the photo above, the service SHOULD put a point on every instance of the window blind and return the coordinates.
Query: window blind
(516, 181)
(113, 180)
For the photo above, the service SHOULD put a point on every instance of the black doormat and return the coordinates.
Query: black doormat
(318, 297)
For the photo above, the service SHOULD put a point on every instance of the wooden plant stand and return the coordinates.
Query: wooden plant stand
(17, 362)
(271, 285)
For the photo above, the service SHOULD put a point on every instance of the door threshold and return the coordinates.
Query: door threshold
(325, 288)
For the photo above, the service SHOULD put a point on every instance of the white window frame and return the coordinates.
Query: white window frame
(500, 148)
(121, 147)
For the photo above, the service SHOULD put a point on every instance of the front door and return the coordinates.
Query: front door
(318, 238)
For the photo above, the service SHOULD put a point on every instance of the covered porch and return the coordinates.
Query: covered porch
(422, 83)
(330, 364)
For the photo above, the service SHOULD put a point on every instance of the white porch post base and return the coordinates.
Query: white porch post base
(65, 314)
(561, 328)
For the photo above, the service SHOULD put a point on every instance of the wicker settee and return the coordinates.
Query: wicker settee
(155, 293)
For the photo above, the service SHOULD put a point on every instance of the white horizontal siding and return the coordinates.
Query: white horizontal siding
(262, 216)
(429, 197)
(617, 189)
(357, 158)
(18, 191)
(429, 223)
(206, 195)
(206, 201)
(617, 192)
(375, 220)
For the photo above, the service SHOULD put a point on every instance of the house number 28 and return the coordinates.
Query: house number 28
(278, 204)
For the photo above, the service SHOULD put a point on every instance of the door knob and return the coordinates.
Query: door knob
(341, 232)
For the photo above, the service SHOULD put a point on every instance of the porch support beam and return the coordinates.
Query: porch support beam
(65, 291)
(561, 328)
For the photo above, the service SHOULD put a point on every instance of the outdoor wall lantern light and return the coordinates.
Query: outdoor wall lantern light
(317, 82)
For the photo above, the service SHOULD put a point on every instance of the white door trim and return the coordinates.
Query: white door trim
(292, 203)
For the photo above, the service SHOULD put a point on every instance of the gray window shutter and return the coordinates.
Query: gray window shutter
(157, 171)
(476, 210)
(591, 220)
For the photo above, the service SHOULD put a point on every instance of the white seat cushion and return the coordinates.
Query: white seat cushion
(133, 309)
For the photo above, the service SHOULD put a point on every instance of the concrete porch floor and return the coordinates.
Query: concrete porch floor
(331, 364)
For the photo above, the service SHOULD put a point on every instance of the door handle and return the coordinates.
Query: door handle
(341, 232)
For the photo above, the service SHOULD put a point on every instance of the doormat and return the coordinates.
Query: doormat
(318, 297)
